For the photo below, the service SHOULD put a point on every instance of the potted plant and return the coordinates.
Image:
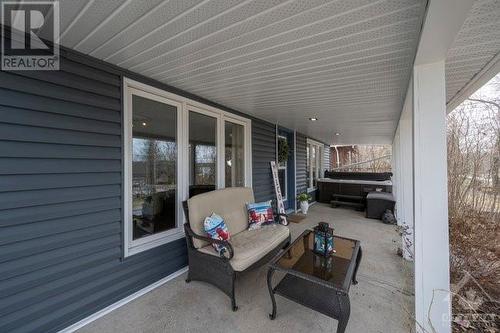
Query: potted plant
(304, 202)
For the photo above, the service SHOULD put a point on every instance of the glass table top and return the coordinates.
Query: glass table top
(335, 270)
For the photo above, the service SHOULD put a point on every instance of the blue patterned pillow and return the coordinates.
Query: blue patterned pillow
(259, 213)
(216, 228)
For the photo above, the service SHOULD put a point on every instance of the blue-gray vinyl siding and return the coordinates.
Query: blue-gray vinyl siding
(61, 220)
(301, 181)
(61, 185)
(263, 151)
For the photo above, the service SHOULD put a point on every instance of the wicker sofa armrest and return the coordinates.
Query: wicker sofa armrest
(226, 244)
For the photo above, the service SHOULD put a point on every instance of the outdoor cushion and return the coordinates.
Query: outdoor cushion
(251, 245)
(259, 214)
(229, 203)
(216, 229)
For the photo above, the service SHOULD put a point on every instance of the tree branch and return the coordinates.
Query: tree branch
(484, 101)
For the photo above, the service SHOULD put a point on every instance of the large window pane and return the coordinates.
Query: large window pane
(314, 153)
(202, 153)
(308, 166)
(154, 166)
(234, 154)
(282, 181)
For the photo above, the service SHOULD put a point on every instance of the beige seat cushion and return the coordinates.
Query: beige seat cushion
(229, 203)
(251, 245)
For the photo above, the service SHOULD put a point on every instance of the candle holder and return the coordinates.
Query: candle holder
(323, 239)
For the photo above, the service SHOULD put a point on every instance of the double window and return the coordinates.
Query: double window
(175, 148)
(314, 158)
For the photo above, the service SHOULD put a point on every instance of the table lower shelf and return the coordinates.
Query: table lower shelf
(313, 295)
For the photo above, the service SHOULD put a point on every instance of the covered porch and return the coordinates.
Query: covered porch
(382, 301)
(154, 102)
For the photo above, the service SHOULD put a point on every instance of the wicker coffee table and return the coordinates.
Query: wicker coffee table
(319, 283)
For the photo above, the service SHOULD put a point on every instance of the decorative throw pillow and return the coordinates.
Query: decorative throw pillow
(259, 213)
(216, 228)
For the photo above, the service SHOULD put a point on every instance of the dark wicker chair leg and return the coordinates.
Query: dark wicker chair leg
(233, 304)
(233, 296)
(270, 273)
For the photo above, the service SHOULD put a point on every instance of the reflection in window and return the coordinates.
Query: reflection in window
(313, 165)
(308, 167)
(282, 181)
(202, 153)
(282, 166)
(154, 166)
(234, 161)
(314, 152)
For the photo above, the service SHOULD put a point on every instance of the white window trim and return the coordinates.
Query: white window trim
(184, 105)
(319, 162)
(135, 246)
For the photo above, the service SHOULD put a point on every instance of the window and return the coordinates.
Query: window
(151, 169)
(202, 153)
(234, 154)
(175, 148)
(314, 153)
(282, 170)
(308, 167)
(313, 165)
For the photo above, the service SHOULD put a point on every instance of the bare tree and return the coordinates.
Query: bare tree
(473, 191)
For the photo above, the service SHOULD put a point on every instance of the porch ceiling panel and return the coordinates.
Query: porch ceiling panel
(476, 46)
(346, 62)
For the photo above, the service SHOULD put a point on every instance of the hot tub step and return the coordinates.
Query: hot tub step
(358, 205)
(346, 196)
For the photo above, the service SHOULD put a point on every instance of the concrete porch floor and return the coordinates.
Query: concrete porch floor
(381, 302)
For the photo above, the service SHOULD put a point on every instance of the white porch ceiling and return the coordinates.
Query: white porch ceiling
(346, 62)
(476, 45)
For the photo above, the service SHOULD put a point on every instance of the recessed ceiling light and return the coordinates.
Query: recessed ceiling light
(144, 123)
(313, 119)
(337, 133)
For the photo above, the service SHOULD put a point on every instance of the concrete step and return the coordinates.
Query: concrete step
(358, 205)
(347, 196)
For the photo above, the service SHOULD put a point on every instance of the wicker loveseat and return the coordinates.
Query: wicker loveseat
(247, 249)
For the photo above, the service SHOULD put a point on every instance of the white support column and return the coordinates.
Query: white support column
(396, 174)
(432, 300)
(406, 183)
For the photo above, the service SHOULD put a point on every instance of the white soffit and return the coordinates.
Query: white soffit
(346, 62)
(474, 52)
